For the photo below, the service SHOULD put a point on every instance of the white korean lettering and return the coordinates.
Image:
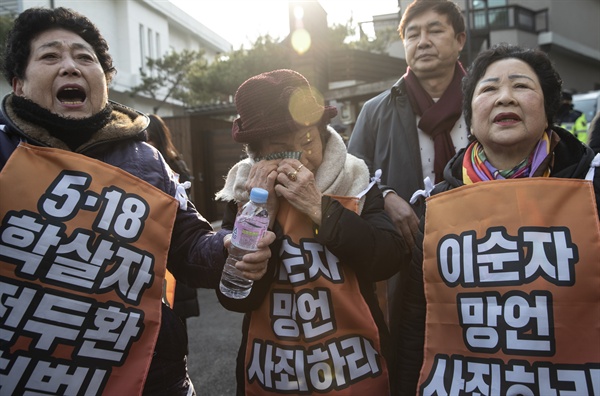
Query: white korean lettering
(11, 372)
(14, 302)
(458, 375)
(485, 378)
(480, 317)
(292, 263)
(114, 332)
(132, 274)
(320, 368)
(288, 378)
(498, 250)
(283, 316)
(315, 312)
(497, 259)
(123, 214)
(26, 239)
(528, 315)
(449, 259)
(516, 322)
(559, 267)
(56, 318)
(306, 314)
(307, 262)
(64, 195)
(320, 372)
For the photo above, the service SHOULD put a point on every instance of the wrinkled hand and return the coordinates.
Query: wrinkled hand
(263, 174)
(254, 265)
(297, 184)
(403, 217)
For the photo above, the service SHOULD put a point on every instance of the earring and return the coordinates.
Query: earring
(308, 137)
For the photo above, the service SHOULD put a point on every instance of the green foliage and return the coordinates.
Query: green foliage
(339, 38)
(220, 80)
(339, 33)
(187, 77)
(377, 45)
(166, 77)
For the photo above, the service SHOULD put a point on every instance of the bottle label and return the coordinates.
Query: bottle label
(247, 232)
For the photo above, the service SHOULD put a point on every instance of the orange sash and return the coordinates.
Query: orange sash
(83, 247)
(512, 282)
(169, 289)
(314, 332)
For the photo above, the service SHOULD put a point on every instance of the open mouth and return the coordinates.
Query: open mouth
(507, 117)
(71, 96)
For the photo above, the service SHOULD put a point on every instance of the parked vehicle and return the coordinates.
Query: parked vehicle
(587, 103)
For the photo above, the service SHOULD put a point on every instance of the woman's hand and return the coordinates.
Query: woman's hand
(297, 184)
(403, 216)
(254, 265)
(263, 174)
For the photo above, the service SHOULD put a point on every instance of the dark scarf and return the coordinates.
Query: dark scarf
(72, 131)
(437, 118)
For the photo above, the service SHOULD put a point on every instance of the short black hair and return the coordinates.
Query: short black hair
(539, 61)
(566, 95)
(34, 21)
(442, 7)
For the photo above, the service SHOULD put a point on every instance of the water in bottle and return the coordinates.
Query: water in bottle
(251, 224)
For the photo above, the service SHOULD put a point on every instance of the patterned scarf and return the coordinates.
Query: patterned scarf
(437, 118)
(477, 168)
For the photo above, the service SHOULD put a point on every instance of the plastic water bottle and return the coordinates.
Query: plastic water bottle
(251, 224)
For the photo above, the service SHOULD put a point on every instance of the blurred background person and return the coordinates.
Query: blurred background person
(572, 119)
(186, 298)
(594, 132)
(160, 137)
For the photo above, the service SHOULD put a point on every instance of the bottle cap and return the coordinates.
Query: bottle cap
(259, 195)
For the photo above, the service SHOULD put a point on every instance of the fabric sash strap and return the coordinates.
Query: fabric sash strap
(313, 333)
(437, 118)
(512, 288)
(83, 251)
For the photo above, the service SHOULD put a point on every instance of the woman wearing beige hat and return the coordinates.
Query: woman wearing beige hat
(313, 323)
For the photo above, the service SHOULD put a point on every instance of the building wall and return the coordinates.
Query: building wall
(512, 36)
(577, 76)
(572, 40)
(577, 20)
(134, 30)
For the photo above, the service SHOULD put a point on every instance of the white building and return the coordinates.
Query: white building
(569, 31)
(135, 30)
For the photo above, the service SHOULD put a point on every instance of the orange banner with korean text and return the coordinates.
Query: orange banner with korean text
(313, 333)
(83, 247)
(512, 282)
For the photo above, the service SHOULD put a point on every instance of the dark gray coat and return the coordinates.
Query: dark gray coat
(385, 137)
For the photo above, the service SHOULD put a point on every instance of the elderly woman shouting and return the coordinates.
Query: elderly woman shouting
(313, 323)
(508, 276)
(90, 216)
